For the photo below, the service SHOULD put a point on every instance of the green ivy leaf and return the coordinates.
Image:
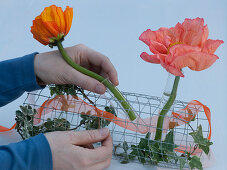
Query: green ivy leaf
(111, 110)
(195, 163)
(94, 122)
(124, 162)
(19, 114)
(125, 146)
(63, 89)
(202, 142)
(168, 143)
(48, 124)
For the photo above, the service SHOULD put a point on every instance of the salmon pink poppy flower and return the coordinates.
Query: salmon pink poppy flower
(185, 45)
(52, 24)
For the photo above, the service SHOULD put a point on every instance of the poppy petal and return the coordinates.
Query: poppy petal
(158, 41)
(156, 48)
(61, 19)
(68, 13)
(39, 32)
(49, 18)
(175, 33)
(171, 69)
(162, 36)
(211, 46)
(150, 58)
(205, 36)
(195, 61)
(179, 50)
(147, 36)
(194, 31)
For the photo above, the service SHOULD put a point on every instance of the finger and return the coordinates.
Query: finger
(94, 156)
(110, 70)
(99, 60)
(87, 82)
(102, 165)
(103, 152)
(88, 136)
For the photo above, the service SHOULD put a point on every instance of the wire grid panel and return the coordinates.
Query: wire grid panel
(147, 107)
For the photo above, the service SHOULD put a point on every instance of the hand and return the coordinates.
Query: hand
(71, 150)
(51, 68)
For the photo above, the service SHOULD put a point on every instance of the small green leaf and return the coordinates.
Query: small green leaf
(124, 162)
(51, 92)
(125, 146)
(19, 113)
(141, 158)
(23, 109)
(110, 109)
(48, 124)
(29, 107)
(131, 156)
(202, 142)
(148, 135)
(195, 163)
(168, 143)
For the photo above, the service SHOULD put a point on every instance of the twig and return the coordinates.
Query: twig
(195, 147)
(83, 123)
(191, 127)
(20, 134)
(86, 97)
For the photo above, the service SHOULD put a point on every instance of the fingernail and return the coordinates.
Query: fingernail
(103, 131)
(117, 82)
(99, 89)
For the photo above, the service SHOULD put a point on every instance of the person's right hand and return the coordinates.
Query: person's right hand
(51, 68)
(71, 151)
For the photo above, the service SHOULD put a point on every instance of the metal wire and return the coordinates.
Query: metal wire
(145, 106)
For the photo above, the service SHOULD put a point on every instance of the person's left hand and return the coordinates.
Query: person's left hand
(50, 68)
(74, 150)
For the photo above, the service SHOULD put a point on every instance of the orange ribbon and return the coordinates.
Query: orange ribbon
(5, 129)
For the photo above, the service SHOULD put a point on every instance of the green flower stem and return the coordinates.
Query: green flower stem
(165, 109)
(127, 107)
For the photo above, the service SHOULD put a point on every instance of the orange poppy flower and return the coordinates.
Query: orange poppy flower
(52, 24)
(185, 45)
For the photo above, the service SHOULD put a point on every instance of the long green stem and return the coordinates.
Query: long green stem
(127, 107)
(165, 109)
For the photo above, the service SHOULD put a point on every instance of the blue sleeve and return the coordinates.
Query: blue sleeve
(17, 76)
(31, 154)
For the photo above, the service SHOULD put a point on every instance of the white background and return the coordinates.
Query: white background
(112, 28)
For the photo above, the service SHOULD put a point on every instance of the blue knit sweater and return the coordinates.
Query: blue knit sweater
(16, 77)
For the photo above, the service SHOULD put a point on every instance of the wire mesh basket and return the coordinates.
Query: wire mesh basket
(126, 135)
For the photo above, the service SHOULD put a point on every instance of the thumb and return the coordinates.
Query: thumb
(89, 136)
